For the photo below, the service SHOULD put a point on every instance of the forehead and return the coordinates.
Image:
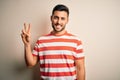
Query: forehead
(60, 13)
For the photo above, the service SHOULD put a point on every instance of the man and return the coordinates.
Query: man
(59, 53)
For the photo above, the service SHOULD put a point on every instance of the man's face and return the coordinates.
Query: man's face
(59, 20)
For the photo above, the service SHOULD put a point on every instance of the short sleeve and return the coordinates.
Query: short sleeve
(79, 50)
(35, 49)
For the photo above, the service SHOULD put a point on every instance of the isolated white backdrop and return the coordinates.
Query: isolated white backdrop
(96, 22)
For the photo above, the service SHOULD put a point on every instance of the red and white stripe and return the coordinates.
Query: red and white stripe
(57, 55)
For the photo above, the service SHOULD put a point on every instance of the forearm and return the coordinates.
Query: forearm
(80, 69)
(28, 56)
(81, 73)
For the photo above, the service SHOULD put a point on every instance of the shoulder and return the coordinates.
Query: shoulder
(76, 38)
(73, 36)
(45, 36)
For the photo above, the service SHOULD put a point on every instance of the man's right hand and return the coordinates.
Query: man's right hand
(26, 35)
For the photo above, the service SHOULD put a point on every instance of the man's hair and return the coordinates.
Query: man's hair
(60, 7)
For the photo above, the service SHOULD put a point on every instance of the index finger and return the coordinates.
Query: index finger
(29, 28)
(25, 27)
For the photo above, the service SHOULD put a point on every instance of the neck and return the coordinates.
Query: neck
(59, 33)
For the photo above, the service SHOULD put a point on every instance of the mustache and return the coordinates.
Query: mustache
(58, 24)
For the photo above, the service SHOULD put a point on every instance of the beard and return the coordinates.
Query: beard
(56, 30)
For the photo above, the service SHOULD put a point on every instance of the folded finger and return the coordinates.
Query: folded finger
(25, 33)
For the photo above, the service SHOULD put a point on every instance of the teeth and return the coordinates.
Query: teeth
(58, 26)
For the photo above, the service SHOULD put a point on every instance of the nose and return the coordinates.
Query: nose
(59, 21)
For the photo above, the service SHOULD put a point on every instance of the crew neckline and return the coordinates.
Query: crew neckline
(52, 33)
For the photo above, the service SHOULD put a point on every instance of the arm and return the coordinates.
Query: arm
(80, 69)
(29, 58)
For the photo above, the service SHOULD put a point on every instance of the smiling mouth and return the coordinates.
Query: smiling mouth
(58, 26)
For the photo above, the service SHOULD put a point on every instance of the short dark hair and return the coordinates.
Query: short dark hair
(60, 7)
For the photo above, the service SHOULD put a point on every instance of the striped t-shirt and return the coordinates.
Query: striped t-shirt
(57, 55)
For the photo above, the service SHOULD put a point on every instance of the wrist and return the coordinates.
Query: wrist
(27, 45)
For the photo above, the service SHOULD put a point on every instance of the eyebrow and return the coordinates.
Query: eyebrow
(58, 16)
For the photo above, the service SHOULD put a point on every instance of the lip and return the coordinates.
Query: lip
(58, 26)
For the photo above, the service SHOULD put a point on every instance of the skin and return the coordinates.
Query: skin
(26, 38)
(59, 19)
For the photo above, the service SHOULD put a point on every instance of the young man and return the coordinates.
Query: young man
(59, 53)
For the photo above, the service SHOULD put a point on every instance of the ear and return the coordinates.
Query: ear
(51, 18)
(67, 20)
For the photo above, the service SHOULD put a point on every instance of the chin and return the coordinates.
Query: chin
(57, 30)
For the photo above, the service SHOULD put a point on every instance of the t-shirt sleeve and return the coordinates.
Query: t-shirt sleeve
(35, 50)
(79, 51)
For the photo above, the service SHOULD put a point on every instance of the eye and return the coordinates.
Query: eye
(62, 18)
(55, 17)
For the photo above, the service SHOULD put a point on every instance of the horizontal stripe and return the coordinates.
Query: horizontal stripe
(58, 52)
(56, 48)
(59, 48)
(54, 37)
(80, 47)
(52, 61)
(54, 52)
(79, 51)
(59, 40)
(79, 55)
(79, 58)
(62, 65)
(56, 57)
(58, 73)
(66, 69)
(36, 49)
(34, 54)
(59, 78)
(57, 44)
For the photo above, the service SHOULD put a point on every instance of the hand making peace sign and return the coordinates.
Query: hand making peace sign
(26, 35)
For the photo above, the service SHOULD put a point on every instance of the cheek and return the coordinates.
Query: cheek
(54, 21)
(65, 22)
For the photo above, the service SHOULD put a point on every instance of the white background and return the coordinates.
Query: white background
(96, 22)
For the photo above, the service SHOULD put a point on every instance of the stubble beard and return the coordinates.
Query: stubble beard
(58, 30)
